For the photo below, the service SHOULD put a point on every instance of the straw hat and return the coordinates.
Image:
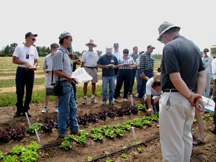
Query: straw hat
(164, 27)
(91, 42)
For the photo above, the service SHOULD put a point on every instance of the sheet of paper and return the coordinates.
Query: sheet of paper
(209, 104)
(81, 76)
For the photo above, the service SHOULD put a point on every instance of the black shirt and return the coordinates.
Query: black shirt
(183, 56)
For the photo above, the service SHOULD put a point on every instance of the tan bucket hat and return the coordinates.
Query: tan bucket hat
(91, 42)
(164, 27)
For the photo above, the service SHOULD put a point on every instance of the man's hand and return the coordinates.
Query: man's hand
(194, 97)
(157, 99)
(197, 102)
(73, 80)
(28, 65)
(149, 111)
(113, 66)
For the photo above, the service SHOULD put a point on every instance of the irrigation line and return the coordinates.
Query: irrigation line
(101, 157)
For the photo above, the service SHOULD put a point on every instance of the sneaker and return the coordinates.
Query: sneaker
(111, 103)
(74, 133)
(45, 110)
(84, 101)
(115, 99)
(17, 114)
(125, 99)
(94, 100)
(56, 109)
(62, 135)
(136, 95)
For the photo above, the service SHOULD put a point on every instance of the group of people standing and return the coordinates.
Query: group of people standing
(182, 80)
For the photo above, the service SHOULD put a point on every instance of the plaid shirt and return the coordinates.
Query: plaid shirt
(146, 62)
(62, 62)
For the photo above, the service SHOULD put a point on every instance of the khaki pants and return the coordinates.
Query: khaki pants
(176, 118)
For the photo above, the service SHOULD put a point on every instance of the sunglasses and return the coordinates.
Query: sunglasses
(33, 39)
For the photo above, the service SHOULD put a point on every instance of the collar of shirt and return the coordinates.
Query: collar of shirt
(66, 51)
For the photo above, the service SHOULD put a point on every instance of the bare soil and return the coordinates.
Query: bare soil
(151, 151)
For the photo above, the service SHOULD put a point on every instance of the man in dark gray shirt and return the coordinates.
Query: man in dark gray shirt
(66, 103)
(146, 68)
(183, 80)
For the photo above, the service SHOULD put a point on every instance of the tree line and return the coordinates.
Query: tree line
(8, 50)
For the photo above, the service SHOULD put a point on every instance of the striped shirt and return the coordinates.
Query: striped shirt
(146, 62)
(62, 62)
(128, 60)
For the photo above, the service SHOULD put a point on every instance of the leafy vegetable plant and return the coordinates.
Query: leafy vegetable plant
(109, 133)
(33, 146)
(83, 133)
(34, 126)
(18, 149)
(29, 156)
(147, 122)
(2, 155)
(108, 160)
(129, 122)
(105, 127)
(124, 147)
(146, 117)
(126, 127)
(9, 158)
(80, 139)
(139, 149)
(119, 132)
(97, 136)
(65, 145)
(154, 117)
(117, 126)
(141, 107)
(96, 130)
(69, 137)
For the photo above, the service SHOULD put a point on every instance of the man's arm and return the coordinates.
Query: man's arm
(63, 75)
(82, 64)
(201, 82)
(17, 61)
(181, 86)
(149, 107)
(35, 62)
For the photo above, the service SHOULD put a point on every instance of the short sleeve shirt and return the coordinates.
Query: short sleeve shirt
(106, 60)
(128, 60)
(90, 59)
(27, 54)
(62, 62)
(48, 61)
(180, 56)
(207, 64)
(149, 89)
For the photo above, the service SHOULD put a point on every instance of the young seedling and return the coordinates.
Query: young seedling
(107, 153)
(108, 160)
(123, 155)
(129, 122)
(139, 149)
(137, 142)
(124, 147)
(95, 130)
(83, 133)
(109, 133)
(80, 139)
(90, 158)
(119, 132)
(69, 137)
(105, 127)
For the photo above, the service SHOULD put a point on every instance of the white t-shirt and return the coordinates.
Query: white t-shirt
(207, 64)
(27, 54)
(149, 89)
(118, 55)
(90, 59)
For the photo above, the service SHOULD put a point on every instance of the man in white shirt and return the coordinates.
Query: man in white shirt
(26, 57)
(89, 62)
(117, 54)
(153, 92)
(207, 60)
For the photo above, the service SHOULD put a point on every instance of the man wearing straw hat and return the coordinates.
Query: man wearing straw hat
(183, 80)
(89, 62)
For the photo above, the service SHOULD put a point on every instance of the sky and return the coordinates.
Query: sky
(128, 22)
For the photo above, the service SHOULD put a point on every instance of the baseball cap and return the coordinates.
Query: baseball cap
(64, 35)
(116, 44)
(109, 49)
(150, 46)
(30, 34)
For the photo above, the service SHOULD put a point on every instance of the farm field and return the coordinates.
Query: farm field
(151, 151)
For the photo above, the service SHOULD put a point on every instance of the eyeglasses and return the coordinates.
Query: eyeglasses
(33, 39)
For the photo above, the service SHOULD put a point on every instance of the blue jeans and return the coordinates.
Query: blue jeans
(67, 109)
(74, 88)
(133, 74)
(139, 80)
(143, 85)
(24, 79)
(124, 75)
(207, 88)
(111, 81)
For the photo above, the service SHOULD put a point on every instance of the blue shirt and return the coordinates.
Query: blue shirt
(106, 60)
